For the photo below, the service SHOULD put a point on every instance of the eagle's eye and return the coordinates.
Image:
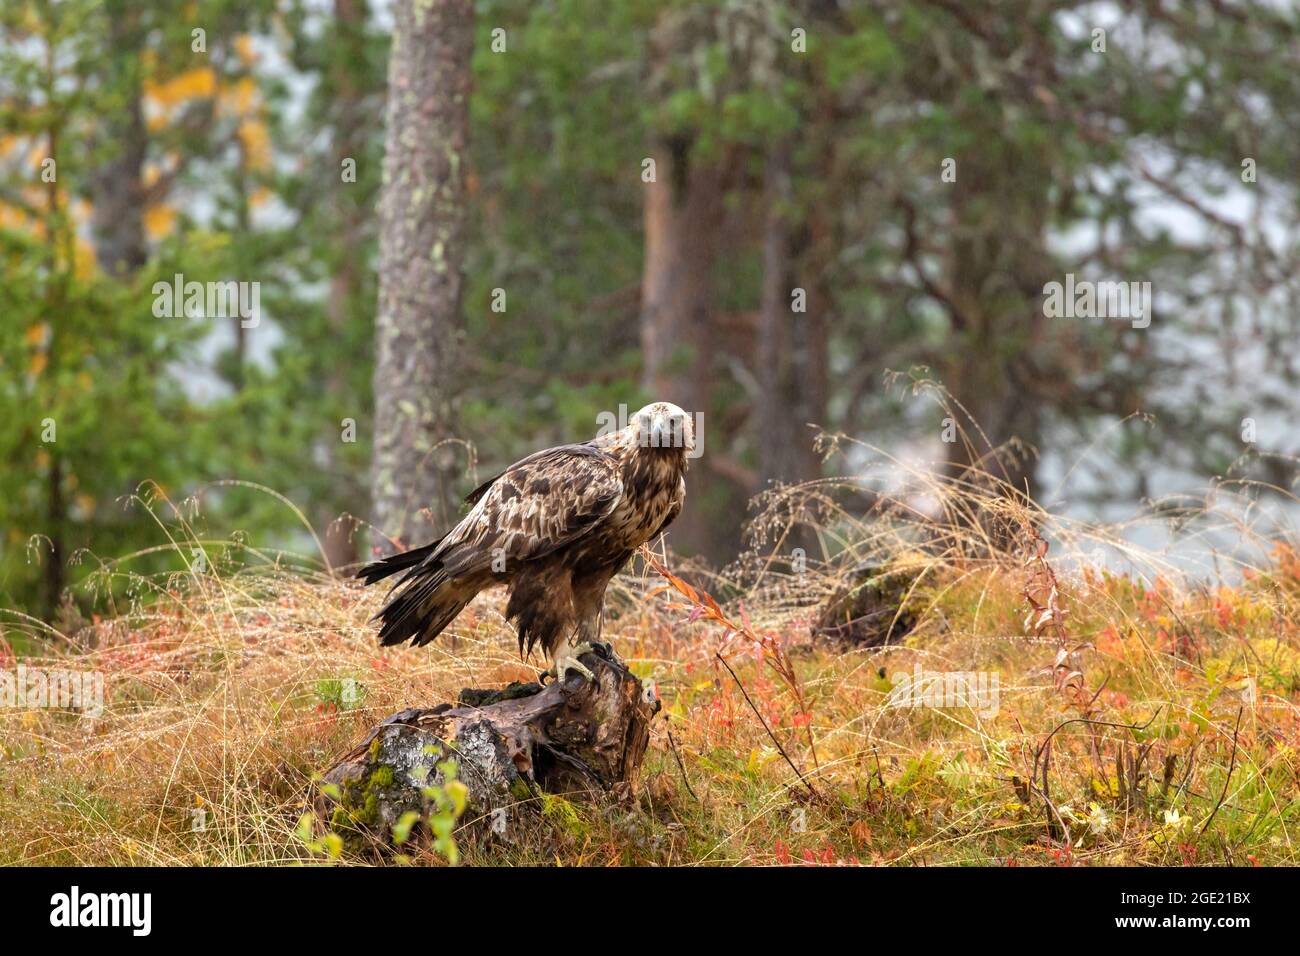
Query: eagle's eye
(680, 428)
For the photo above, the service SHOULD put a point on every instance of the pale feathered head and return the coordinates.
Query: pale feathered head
(663, 425)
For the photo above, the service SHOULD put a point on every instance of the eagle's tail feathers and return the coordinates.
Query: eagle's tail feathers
(437, 621)
(378, 570)
(421, 609)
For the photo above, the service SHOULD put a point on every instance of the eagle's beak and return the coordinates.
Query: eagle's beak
(672, 431)
(661, 432)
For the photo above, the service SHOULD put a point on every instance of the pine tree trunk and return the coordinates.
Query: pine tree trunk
(683, 214)
(683, 219)
(347, 106)
(791, 344)
(117, 188)
(422, 217)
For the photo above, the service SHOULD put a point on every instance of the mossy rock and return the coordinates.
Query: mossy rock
(881, 604)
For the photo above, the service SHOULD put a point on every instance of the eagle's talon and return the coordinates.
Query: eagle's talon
(566, 659)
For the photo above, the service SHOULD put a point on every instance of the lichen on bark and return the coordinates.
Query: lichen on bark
(418, 323)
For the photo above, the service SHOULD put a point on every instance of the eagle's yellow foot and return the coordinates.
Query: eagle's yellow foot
(566, 659)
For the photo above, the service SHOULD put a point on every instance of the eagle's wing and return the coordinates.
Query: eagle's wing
(538, 504)
(580, 449)
(533, 507)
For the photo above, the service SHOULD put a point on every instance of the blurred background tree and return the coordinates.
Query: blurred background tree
(756, 210)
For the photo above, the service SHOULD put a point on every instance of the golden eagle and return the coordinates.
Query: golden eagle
(554, 528)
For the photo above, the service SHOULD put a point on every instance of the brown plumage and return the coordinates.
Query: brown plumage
(554, 528)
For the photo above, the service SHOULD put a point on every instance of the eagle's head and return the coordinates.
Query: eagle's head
(663, 425)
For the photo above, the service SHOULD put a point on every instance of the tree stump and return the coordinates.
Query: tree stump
(580, 740)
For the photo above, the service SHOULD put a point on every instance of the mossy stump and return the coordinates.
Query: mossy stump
(582, 740)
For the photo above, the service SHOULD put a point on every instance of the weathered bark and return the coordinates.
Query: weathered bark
(422, 216)
(580, 739)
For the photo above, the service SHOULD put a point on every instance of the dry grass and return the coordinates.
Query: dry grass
(1148, 717)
